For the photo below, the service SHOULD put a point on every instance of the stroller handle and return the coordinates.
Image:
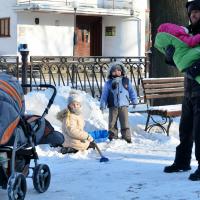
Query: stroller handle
(51, 100)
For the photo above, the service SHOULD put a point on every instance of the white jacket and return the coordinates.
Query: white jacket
(73, 130)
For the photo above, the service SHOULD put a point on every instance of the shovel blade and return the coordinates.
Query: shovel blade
(104, 159)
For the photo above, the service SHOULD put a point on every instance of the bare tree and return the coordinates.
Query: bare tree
(162, 11)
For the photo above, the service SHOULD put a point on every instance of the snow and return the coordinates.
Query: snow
(134, 171)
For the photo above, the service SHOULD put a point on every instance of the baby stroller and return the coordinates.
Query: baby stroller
(19, 135)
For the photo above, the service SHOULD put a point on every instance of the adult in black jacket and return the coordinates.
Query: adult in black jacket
(189, 129)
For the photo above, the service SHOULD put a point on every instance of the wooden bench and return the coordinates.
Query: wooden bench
(159, 88)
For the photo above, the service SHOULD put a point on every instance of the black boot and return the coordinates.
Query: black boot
(65, 150)
(196, 175)
(176, 168)
(112, 136)
(126, 135)
(128, 140)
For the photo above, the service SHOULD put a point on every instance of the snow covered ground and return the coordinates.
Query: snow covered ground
(134, 171)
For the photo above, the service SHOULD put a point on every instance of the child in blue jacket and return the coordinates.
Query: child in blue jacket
(117, 94)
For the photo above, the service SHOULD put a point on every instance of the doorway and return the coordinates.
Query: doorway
(88, 36)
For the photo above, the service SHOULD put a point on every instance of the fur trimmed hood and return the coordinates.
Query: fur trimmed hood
(62, 114)
(114, 65)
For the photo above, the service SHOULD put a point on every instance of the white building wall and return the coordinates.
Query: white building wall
(125, 42)
(53, 36)
(8, 44)
(141, 7)
(130, 33)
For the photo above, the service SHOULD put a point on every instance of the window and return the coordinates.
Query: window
(4, 27)
(110, 31)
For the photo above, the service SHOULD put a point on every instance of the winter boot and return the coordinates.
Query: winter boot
(196, 175)
(126, 135)
(176, 168)
(65, 150)
(128, 140)
(112, 136)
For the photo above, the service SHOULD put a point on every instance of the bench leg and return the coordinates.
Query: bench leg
(165, 125)
(170, 119)
(147, 122)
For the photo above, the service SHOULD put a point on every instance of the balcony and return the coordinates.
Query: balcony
(101, 7)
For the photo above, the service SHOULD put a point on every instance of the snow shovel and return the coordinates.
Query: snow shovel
(103, 158)
(99, 135)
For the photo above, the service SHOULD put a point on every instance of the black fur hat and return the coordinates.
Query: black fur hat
(192, 5)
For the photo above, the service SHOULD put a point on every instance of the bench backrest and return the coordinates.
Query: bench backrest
(156, 88)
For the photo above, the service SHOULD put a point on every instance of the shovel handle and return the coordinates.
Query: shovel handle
(97, 148)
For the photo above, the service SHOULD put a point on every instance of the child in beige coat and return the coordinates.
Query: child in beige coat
(76, 139)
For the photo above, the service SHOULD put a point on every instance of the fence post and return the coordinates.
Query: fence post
(148, 62)
(24, 56)
(73, 74)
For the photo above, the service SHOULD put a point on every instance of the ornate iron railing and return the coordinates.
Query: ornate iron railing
(84, 73)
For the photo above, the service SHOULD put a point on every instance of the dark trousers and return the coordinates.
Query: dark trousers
(189, 131)
(120, 113)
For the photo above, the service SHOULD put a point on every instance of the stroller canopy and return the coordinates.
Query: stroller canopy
(12, 106)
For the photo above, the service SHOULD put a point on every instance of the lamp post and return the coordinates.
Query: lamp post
(75, 6)
(24, 54)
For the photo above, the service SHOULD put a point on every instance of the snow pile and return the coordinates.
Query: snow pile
(90, 107)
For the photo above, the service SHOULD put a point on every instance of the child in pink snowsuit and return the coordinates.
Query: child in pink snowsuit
(181, 33)
(186, 48)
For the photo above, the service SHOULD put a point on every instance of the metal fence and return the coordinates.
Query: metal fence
(10, 65)
(83, 73)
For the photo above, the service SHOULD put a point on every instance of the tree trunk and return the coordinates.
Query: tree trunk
(162, 11)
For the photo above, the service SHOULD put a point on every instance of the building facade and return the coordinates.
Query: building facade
(73, 28)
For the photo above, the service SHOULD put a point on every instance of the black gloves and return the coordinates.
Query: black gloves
(169, 52)
(194, 70)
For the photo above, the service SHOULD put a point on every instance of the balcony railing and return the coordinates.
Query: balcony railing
(107, 4)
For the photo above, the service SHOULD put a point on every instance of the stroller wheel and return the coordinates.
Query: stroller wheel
(41, 178)
(17, 187)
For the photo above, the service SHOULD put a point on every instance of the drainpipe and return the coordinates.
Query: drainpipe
(138, 27)
(139, 36)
